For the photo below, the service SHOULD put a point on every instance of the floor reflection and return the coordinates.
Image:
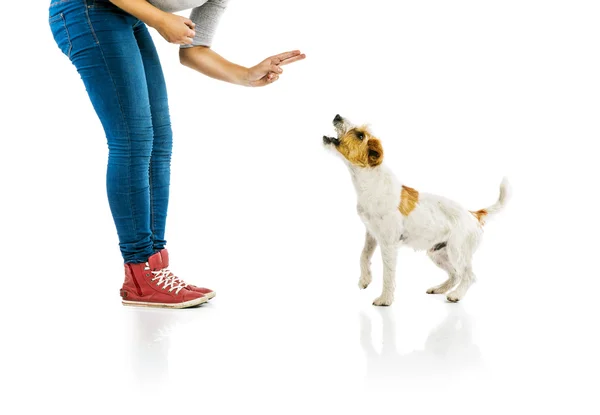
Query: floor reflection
(449, 348)
(151, 331)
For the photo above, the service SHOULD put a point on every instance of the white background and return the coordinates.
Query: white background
(461, 93)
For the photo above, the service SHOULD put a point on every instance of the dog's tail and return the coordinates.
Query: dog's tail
(483, 214)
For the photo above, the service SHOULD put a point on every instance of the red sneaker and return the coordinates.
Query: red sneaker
(151, 284)
(208, 293)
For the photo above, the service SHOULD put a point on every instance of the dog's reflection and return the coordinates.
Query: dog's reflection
(448, 350)
(151, 330)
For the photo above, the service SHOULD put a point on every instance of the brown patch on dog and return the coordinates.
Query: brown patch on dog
(361, 148)
(480, 215)
(409, 198)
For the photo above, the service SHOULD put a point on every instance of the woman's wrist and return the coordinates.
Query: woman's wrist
(244, 76)
(233, 73)
(155, 18)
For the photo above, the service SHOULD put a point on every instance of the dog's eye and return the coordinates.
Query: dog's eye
(360, 135)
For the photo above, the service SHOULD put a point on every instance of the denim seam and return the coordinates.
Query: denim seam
(55, 18)
(87, 15)
(68, 35)
(152, 215)
(61, 17)
(135, 230)
(150, 177)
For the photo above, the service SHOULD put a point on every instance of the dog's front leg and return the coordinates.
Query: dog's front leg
(389, 254)
(365, 261)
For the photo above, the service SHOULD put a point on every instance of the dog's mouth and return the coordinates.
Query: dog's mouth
(331, 140)
(340, 127)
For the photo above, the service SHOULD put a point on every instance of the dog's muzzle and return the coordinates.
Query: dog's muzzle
(331, 140)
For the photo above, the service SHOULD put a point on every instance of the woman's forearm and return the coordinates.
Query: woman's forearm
(141, 9)
(208, 62)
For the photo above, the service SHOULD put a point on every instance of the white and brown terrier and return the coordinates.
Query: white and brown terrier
(395, 215)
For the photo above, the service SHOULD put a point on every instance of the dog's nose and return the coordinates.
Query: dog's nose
(337, 118)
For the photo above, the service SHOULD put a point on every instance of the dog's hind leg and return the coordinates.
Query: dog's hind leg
(467, 278)
(460, 254)
(389, 254)
(440, 258)
(365, 261)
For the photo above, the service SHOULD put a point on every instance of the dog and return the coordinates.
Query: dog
(396, 215)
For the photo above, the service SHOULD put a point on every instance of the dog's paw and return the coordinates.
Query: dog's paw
(453, 297)
(436, 290)
(363, 283)
(383, 301)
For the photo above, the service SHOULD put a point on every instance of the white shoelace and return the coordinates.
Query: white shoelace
(167, 279)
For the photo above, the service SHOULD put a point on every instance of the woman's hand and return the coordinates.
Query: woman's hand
(268, 71)
(175, 29)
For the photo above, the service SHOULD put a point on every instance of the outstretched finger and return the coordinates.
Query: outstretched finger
(285, 55)
(292, 59)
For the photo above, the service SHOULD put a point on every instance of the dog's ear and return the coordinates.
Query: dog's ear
(375, 152)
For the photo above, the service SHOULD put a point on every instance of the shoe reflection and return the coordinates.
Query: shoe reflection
(449, 348)
(151, 330)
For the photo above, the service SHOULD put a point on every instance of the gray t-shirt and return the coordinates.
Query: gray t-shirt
(205, 13)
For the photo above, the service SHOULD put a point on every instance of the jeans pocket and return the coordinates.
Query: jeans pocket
(58, 26)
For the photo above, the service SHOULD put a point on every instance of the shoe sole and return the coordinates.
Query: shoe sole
(210, 295)
(186, 304)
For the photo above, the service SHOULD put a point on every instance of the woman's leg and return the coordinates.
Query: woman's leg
(102, 42)
(160, 161)
(107, 56)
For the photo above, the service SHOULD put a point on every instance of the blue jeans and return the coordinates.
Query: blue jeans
(118, 63)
